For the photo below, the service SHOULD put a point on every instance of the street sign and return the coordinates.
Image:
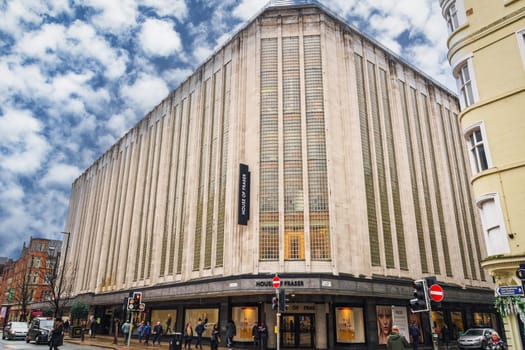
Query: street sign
(507, 291)
(436, 293)
(276, 282)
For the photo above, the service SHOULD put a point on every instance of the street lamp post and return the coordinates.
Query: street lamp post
(62, 276)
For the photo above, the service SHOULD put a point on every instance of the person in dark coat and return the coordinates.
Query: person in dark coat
(231, 331)
(445, 335)
(396, 341)
(199, 329)
(215, 337)
(263, 336)
(157, 333)
(414, 334)
(255, 335)
(56, 335)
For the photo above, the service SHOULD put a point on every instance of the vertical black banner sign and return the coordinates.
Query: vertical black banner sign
(244, 195)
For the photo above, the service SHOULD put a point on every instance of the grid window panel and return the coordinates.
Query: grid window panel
(316, 150)
(269, 146)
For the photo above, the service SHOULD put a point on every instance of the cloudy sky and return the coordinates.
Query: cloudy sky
(76, 75)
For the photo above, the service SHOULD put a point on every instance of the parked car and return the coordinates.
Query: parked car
(475, 338)
(40, 330)
(15, 330)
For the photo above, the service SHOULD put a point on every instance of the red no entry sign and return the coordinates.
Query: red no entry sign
(276, 282)
(436, 293)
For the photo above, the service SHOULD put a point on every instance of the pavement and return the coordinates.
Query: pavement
(108, 342)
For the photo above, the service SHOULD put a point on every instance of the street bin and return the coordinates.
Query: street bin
(175, 341)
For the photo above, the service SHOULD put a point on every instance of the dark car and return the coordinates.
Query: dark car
(40, 330)
(475, 338)
(15, 330)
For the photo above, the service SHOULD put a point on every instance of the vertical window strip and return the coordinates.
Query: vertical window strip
(466, 198)
(212, 169)
(394, 178)
(149, 183)
(316, 150)
(159, 125)
(380, 166)
(202, 174)
(449, 149)
(168, 219)
(184, 172)
(269, 146)
(293, 171)
(373, 230)
(413, 178)
(424, 179)
(437, 188)
(224, 131)
(111, 215)
(178, 124)
(146, 136)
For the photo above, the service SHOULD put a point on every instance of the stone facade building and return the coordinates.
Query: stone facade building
(300, 148)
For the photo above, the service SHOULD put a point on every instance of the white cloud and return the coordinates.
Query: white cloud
(145, 93)
(176, 8)
(61, 175)
(113, 16)
(248, 8)
(157, 38)
(23, 146)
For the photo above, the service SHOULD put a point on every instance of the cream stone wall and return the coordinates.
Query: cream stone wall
(134, 213)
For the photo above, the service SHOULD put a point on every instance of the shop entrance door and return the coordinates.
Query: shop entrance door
(297, 331)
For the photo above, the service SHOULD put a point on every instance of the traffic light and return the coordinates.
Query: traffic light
(137, 297)
(420, 301)
(131, 304)
(283, 302)
(275, 303)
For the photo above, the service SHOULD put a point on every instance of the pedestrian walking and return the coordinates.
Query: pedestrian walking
(414, 333)
(231, 331)
(255, 335)
(125, 330)
(140, 331)
(56, 335)
(188, 335)
(146, 333)
(445, 335)
(215, 337)
(157, 333)
(396, 341)
(263, 336)
(199, 329)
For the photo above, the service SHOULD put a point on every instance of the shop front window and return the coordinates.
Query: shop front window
(350, 325)
(245, 317)
(167, 319)
(207, 316)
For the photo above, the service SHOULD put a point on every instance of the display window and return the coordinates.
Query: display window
(350, 324)
(166, 317)
(456, 327)
(482, 319)
(245, 317)
(207, 316)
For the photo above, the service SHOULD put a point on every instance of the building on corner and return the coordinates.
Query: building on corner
(301, 148)
(486, 49)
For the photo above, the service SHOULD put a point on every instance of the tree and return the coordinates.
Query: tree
(22, 292)
(59, 286)
(79, 311)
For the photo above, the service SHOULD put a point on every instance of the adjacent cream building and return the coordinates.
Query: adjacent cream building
(300, 148)
(487, 54)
